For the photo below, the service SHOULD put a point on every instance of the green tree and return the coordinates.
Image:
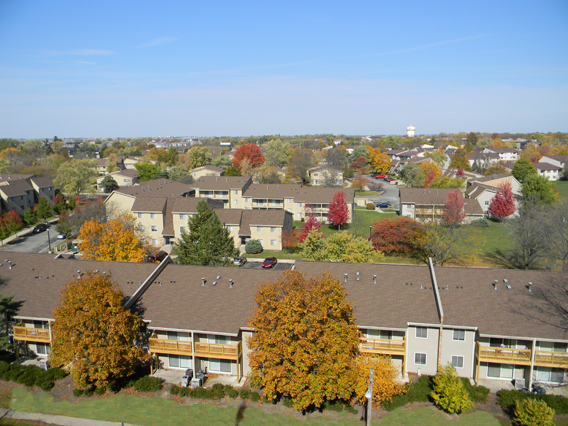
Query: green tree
(7, 308)
(29, 216)
(305, 340)
(437, 157)
(472, 139)
(109, 184)
(222, 161)
(253, 246)
(539, 189)
(412, 175)
(43, 209)
(76, 176)
(340, 247)
(267, 174)
(524, 168)
(337, 157)
(94, 333)
(449, 393)
(146, 170)
(360, 151)
(197, 156)
(277, 153)
(460, 160)
(532, 412)
(232, 171)
(208, 242)
(179, 173)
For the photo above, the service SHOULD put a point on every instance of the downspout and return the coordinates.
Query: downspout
(533, 355)
(440, 309)
(193, 354)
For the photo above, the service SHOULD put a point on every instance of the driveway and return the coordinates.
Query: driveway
(33, 243)
(390, 193)
(258, 265)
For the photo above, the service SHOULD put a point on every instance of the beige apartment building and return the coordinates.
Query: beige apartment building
(19, 192)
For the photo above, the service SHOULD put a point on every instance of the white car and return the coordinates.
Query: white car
(60, 236)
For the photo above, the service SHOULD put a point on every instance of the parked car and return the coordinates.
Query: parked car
(60, 236)
(269, 262)
(239, 261)
(376, 176)
(388, 179)
(157, 258)
(40, 228)
(383, 205)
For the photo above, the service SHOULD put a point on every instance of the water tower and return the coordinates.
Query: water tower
(410, 131)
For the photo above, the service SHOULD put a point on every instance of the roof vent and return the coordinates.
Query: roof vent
(508, 287)
(421, 287)
(375, 279)
(231, 283)
(218, 277)
(505, 280)
(495, 286)
(358, 276)
(202, 282)
(345, 278)
(447, 288)
(214, 282)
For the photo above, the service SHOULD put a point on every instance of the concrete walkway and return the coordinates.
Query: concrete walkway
(56, 420)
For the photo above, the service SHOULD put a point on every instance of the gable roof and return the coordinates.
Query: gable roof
(221, 183)
(437, 196)
(157, 188)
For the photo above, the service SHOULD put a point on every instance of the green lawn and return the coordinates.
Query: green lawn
(367, 193)
(562, 186)
(150, 411)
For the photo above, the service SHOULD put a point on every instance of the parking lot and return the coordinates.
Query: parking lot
(258, 265)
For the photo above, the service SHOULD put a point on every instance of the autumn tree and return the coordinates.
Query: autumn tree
(12, 221)
(523, 169)
(460, 160)
(503, 203)
(290, 240)
(267, 174)
(338, 211)
(472, 138)
(495, 169)
(454, 214)
(232, 171)
(412, 176)
(197, 156)
(72, 223)
(449, 393)
(399, 235)
(309, 223)
(437, 157)
(94, 333)
(385, 381)
(300, 162)
(248, 151)
(430, 171)
(115, 241)
(208, 242)
(305, 340)
(76, 176)
(337, 157)
(359, 183)
(380, 161)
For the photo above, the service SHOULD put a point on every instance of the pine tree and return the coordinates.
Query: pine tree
(208, 242)
(503, 204)
(43, 209)
(338, 212)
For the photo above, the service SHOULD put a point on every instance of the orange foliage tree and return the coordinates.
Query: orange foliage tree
(431, 172)
(396, 235)
(94, 332)
(380, 160)
(359, 183)
(305, 340)
(115, 240)
(248, 151)
(385, 383)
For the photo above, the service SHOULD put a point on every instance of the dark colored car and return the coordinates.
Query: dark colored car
(384, 205)
(40, 228)
(388, 179)
(269, 262)
(239, 261)
(158, 257)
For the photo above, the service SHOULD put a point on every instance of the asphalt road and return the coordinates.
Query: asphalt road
(258, 265)
(33, 243)
(390, 193)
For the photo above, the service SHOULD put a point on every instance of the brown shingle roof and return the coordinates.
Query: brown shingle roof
(221, 183)
(143, 204)
(306, 194)
(14, 188)
(42, 182)
(546, 166)
(157, 188)
(425, 195)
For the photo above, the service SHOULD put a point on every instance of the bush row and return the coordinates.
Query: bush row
(421, 391)
(507, 398)
(30, 375)
(143, 384)
(218, 391)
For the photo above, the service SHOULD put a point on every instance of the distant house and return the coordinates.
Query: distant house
(124, 178)
(497, 180)
(548, 170)
(206, 171)
(505, 154)
(325, 176)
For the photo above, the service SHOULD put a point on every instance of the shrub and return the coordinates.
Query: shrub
(508, 398)
(416, 392)
(530, 412)
(288, 402)
(78, 392)
(89, 391)
(370, 206)
(201, 393)
(185, 392)
(148, 384)
(30, 375)
(480, 223)
(255, 397)
(232, 393)
(449, 393)
(46, 385)
(253, 247)
(174, 390)
(244, 394)
(477, 394)
(100, 391)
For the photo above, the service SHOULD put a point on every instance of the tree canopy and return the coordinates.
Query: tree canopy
(76, 176)
(251, 153)
(94, 332)
(524, 168)
(109, 184)
(208, 242)
(539, 189)
(338, 211)
(277, 152)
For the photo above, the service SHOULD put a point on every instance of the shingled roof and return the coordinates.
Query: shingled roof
(157, 188)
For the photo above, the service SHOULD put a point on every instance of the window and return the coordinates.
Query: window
(182, 216)
(247, 200)
(236, 192)
(457, 361)
(229, 228)
(259, 229)
(549, 375)
(486, 202)
(500, 371)
(154, 241)
(260, 240)
(419, 359)
(178, 361)
(235, 201)
(140, 215)
(288, 200)
(220, 366)
(299, 204)
(175, 335)
(154, 228)
(141, 227)
(273, 229)
(379, 334)
(152, 215)
(43, 349)
(315, 174)
(421, 332)
(272, 242)
(502, 343)
(459, 335)
(182, 229)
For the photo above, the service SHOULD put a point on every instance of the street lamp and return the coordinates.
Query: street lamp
(370, 228)
(369, 396)
(48, 240)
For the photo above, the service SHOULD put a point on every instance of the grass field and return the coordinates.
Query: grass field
(562, 186)
(150, 411)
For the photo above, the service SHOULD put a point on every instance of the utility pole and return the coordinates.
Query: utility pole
(369, 396)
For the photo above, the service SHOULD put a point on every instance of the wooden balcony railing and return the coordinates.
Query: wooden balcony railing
(551, 359)
(215, 350)
(29, 334)
(172, 347)
(379, 346)
(504, 355)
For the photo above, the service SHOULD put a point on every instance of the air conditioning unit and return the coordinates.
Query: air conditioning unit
(520, 384)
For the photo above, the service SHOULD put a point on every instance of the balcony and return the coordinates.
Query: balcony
(383, 347)
(551, 359)
(171, 347)
(503, 355)
(216, 350)
(27, 334)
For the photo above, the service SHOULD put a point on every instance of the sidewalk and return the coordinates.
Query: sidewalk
(56, 420)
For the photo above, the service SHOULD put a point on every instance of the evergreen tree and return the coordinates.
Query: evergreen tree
(208, 241)
(109, 184)
(29, 216)
(43, 209)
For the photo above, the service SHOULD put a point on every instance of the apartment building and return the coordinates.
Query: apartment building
(489, 323)
(124, 178)
(429, 204)
(20, 191)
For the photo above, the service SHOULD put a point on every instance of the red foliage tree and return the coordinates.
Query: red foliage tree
(503, 203)
(290, 239)
(396, 235)
(249, 151)
(12, 221)
(455, 213)
(310, 223)
(459, 172)
(338, 212)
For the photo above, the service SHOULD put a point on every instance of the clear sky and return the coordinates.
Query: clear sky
(239, 68)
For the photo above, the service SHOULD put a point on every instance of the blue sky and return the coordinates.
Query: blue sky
(240, 68)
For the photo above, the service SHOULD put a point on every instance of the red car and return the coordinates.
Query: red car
(269, 262)
(378, 176)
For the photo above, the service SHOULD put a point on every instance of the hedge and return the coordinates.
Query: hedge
(507, 398)
(30, 375)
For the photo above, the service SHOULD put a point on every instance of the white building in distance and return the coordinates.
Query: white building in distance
(410, 131)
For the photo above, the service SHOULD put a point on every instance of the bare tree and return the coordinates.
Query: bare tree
(556, 231)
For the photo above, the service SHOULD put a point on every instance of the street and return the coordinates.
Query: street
(33, 243)
(390, 193)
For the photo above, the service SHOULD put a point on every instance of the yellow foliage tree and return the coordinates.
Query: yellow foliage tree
(385, 381)
(114, 241)
(380, 161)
(431, 172)
(94, 332)
(305, 340)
